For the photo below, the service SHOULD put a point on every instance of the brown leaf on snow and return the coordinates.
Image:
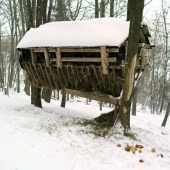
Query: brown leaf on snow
(163, 133)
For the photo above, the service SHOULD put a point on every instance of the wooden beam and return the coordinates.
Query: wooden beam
(143, 57)
(74, 59)
(104, 61)
(142, 37)
(58, 55)
(33, 57)
(91, 50)
(94, 96)
(47, 60)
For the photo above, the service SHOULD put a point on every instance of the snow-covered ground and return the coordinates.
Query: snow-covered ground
(50, 139)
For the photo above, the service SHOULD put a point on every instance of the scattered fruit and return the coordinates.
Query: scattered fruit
(139, 146)
(139, 151)
(152, 150)
(141, 160)
(133, 150)
(161, 155)
(128, 148)
(118, 145)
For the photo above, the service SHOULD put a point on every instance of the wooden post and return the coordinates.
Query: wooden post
(58, 56)
(104, 61)
(47, 61)
(143, 57)
(33, 57)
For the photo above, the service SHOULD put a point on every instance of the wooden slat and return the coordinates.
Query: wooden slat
(58, 54)
(47, 61)
(55, 82)
(43, 75)
(94, 96)
(104, 61)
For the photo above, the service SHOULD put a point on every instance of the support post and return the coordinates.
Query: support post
(47, 61)
(104, 61)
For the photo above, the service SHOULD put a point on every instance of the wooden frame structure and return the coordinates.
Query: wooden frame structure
(92, 72)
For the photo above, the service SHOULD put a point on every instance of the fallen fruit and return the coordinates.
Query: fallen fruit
(133, 150)
(141, 160)
(152, 150)
(118, 145)
(161, 155)
(139, 151)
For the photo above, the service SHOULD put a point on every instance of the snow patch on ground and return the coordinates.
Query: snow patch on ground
(50, 139)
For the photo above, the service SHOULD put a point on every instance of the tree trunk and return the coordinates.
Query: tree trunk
(44, 11)
(48, 95)
(132, 52)
(36, 96)
(96, 9)
(166, 115)
(111, 8)
(39, 13)
(63, 101)
(49, 11)
(102, 8)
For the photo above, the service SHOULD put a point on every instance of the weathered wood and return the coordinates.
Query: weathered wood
(94, 96)
(28, 72)
(43, 74)
(58, 54)
(102, 77)
(48, 76)
(47, 60)
(74, 59)
(69, 77)
(78, 49)
(75, 82)
(78, 75)
(142, 37)
(55, 82)
(60, 78)
(32, 73)
(66, 82)
(143, 57)
(33, 57)
(89, 73)
(104, 60)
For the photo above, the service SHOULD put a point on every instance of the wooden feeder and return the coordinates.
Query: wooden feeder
(90, 71)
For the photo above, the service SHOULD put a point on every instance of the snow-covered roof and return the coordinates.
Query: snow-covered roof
(88, 33)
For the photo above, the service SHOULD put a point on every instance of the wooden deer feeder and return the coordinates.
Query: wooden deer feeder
(84, 58)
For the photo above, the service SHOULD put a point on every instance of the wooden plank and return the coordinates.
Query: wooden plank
(47, 60)
(74, 59)
(143, 57)
(74, 49)
(33, 57)
(142, 37)
(104, 61)
(58, 54)
(94, 96)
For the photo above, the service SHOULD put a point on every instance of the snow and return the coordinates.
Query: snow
(50, 139)
(88, 33)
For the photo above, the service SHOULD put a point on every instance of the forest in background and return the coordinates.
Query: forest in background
(17, 16)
